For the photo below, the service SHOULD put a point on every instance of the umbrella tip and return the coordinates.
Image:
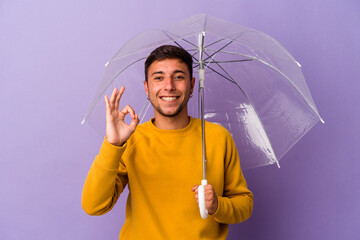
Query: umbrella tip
(299, 65)
(106, 64)
(276, 161)
(83, 121)
(278, 164)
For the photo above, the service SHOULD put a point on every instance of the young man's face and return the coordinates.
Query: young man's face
(169, 87)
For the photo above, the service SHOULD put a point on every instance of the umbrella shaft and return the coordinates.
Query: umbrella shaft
(203, 131)
(201, 87)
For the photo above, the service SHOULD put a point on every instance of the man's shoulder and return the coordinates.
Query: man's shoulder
(216, 128)
(213, 129)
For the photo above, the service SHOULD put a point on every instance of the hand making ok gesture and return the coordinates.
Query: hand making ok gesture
(117, 131)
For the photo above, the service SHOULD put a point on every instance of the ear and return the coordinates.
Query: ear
(146, 88)
(192, 82)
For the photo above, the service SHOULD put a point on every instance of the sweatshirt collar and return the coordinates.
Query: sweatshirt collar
(177, 132)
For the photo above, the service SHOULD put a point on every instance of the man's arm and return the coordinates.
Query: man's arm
(107, 176)
(236, 202)
(106, 180)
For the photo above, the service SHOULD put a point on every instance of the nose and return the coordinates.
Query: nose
(169, 83)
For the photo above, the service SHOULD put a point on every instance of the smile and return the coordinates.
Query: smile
(169, 99)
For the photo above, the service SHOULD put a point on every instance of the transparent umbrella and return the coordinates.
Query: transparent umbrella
(249, 84)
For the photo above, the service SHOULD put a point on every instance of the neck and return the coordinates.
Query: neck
(171, 123)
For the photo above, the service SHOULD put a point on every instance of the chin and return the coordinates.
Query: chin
(170, 113)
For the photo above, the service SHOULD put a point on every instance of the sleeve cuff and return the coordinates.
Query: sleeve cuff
(216, 213)
(110, 155)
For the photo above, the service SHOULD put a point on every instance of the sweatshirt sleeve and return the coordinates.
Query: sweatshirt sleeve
(236, 203)
(105, 181)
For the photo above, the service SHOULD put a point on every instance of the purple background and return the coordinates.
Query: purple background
(53, 56)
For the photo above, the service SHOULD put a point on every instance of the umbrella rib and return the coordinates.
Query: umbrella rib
(144, 110)
(212, 55)
(196, 51)
(209, 44)
(209, 56)
(222, 75)
(107, 85)
(178, 44)
(219, 50)
(231, 61)
(166, 33)
(187, 41)
(214, 42)
(193, 56)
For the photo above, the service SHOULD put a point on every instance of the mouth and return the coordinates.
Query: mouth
(169, 98)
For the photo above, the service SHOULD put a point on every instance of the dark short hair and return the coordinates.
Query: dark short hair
(169, 52)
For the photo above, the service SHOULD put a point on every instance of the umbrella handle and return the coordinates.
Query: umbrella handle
(201, 194)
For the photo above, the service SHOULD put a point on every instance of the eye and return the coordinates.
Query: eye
(179, 77)
(157, 78)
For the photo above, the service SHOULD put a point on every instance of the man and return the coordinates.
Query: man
(160, 161)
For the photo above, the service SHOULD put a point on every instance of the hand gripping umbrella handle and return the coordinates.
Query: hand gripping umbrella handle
(201, 195)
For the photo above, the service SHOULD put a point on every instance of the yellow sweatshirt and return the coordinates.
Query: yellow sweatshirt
(160, 168)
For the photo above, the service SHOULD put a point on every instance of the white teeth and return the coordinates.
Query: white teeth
(168, 98)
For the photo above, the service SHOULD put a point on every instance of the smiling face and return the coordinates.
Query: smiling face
(169, 87)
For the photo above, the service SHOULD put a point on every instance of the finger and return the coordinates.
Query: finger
(122, 90)
(128, 109)
(209, 197)
(107, 104)
(118, 97)
(194, 187)
(209, 188)
(210, 192)
(113, 97)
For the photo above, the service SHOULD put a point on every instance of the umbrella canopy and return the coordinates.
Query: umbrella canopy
(253, 86)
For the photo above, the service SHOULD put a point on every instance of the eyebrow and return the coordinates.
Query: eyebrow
(179, 71)
(161, 72)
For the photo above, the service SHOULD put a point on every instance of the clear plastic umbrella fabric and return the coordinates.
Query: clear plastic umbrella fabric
(253, 86)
